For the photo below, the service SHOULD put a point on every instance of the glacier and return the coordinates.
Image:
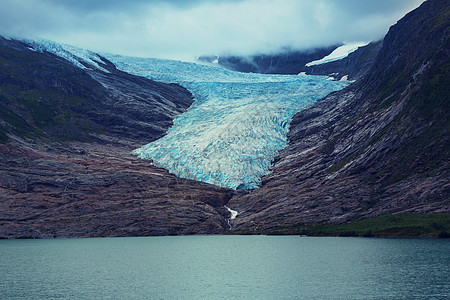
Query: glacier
(236, 125)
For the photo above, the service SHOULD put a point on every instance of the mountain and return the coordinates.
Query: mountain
(285, 62)
(373, 151)
(378, 147)
(65, 165)
(354, 66)
(44, 95)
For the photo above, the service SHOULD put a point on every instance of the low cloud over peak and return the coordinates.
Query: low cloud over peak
(187, 29)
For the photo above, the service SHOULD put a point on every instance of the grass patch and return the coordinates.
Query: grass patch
(402, 225)
(339, 165)
(3, 136)
(425, 152)
(18, 124)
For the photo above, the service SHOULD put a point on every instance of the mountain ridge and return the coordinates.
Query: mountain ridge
(72, 101)
(286, 62)
(373, 148)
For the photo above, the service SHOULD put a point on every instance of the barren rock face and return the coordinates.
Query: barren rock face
(100, 190)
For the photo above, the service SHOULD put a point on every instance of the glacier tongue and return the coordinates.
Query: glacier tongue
(237, 124)
(225, 141)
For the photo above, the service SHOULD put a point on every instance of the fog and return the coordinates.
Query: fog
(186, 29)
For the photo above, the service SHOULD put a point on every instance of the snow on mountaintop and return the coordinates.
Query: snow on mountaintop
(75, 55)
(339, 53)
(237, 124)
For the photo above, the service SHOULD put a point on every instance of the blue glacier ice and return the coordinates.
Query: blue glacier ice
(237, 124)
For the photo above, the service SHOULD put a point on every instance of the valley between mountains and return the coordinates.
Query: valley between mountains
(373, 150)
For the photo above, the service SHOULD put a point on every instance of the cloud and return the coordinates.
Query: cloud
(186, 29)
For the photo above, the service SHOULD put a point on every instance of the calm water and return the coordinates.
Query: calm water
(225, 267)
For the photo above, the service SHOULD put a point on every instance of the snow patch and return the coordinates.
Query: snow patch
(339, 53)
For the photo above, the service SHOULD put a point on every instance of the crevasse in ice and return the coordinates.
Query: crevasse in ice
(235, 127)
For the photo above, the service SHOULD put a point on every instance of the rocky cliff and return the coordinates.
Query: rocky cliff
(380, 146)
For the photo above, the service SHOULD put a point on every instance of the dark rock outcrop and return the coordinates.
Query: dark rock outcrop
(380, 146)
(92, 189)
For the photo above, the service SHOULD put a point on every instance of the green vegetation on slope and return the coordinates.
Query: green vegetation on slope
(18, 125)
(427, 151)
(423, 125)
(3, 136)
(401, 225)
(42, 96)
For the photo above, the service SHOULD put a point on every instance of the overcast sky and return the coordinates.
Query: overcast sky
(185, 29)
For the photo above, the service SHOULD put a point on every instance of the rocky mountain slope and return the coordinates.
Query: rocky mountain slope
(65, 168)
(380, 146)
(354, 66)
(44, 95)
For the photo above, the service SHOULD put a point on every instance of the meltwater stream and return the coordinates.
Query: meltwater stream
(237, 124)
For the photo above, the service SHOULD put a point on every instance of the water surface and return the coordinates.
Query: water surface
(225, 267)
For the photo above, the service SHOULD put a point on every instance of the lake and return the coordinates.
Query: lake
(225, 267)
